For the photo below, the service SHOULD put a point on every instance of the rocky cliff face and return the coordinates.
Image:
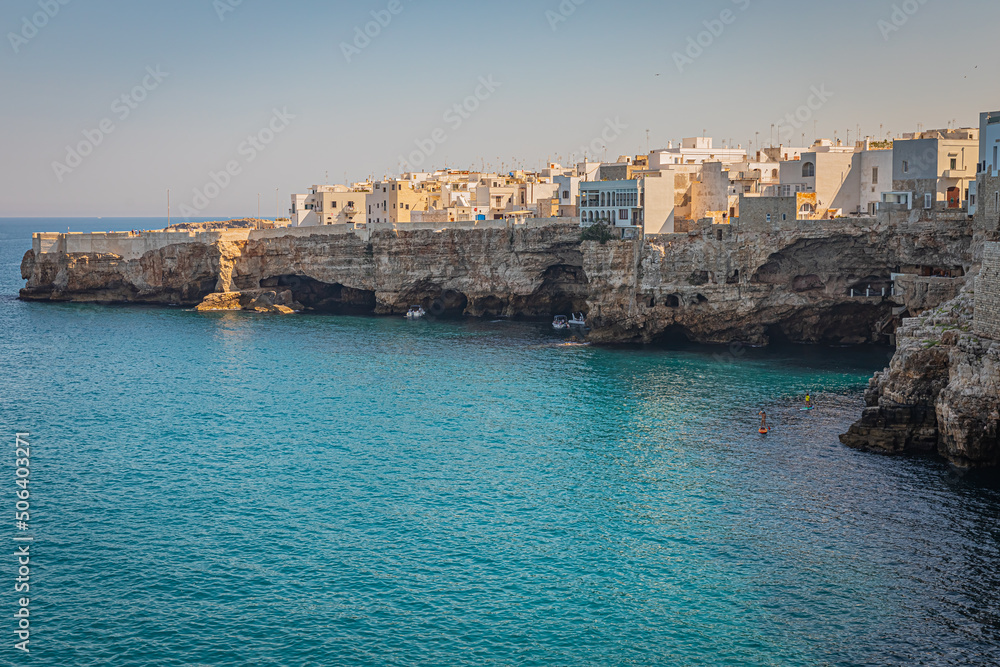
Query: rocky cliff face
(940, 392)
(717, 284)
(724, 283)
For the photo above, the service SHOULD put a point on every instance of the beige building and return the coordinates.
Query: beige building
(329, 205)
(935, 167)
(394, 201)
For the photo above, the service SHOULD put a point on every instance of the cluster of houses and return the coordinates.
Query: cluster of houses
(664, 191)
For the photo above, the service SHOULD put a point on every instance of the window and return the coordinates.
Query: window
(784, 216)
(333, 204)
(874, 175)
(906, 167)
(774, 172)
(407, 207)
(808, 170)
(623, 214)
(928, 201)
(769, 217)
(565, 194)
(954, 163)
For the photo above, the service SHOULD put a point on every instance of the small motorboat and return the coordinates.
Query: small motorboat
(416, 313)
(561, 323)
(578, 320)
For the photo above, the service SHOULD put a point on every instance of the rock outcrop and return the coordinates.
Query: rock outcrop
(940, 393)
(260, 301)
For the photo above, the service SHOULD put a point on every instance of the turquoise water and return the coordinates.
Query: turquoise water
(234, 489)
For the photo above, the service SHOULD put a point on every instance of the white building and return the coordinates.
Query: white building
(695, 150)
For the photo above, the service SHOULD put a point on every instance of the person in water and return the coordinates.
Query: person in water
(809, 402)
(763, 420)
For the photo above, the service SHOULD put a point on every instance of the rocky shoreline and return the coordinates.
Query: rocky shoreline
(939, 394)
(804, 282)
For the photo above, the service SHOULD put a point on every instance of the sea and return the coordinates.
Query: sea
(243, 489)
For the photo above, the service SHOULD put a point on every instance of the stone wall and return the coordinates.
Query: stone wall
(988, 294)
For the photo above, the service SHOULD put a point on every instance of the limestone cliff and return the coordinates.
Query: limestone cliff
(939, 394)
(717, 284)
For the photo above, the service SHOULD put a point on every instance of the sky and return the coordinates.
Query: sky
(108, 104)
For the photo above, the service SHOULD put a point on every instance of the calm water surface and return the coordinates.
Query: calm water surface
(237, 489)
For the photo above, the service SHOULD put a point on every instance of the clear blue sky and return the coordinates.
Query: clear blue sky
(226, 76)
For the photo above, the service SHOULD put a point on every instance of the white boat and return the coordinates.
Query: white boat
(578, 320)
(560, 323)
(416, 313)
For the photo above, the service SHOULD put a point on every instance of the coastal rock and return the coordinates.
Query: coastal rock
(259, 301)
(220, 301)
(939, 393)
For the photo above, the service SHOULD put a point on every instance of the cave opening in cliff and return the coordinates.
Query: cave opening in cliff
(448, 304)
(324, 298)
(674, 336)
(564, 290)
(777, 336)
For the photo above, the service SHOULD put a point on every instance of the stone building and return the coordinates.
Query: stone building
(936, 167)
(988, 294)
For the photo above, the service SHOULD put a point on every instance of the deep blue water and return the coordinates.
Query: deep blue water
(234, 489)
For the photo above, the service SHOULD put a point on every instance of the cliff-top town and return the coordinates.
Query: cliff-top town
(668, 189)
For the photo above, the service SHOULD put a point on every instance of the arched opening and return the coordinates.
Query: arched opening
(326, 298)
(673, 336)
(774, 173)
(672, 301)
(808, 170)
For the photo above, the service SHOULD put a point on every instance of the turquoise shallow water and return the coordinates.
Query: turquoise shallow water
(238, 489)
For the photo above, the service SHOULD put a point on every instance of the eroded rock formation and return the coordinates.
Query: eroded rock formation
(939, 395)
(716, 284)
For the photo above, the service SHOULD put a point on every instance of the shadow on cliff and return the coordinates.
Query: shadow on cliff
(325, 298)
